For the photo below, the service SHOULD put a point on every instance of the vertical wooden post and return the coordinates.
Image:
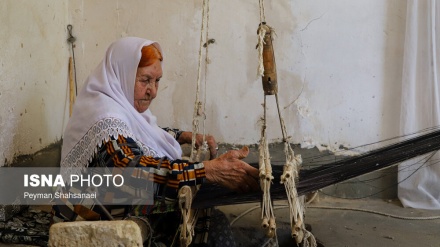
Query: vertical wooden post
(71, 86)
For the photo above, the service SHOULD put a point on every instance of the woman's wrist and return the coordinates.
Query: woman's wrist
(207, 164)
(184, 137)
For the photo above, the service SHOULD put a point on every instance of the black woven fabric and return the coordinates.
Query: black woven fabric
(220, 233)
(28, 227)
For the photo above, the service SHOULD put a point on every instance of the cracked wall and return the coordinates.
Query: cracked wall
(339, 67)
(339, 64)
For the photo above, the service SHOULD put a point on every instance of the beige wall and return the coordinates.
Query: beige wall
(339, 66)
(33, 75)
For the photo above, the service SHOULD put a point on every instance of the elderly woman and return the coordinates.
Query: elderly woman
(112, 126)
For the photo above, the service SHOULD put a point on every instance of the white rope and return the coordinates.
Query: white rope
(188, 219)
(189, 216)
(267, 215)
(243, 214)
(261, 34)
(291, 167)
(281, 206)
(378, 213)
(198, 105)
(307, 237)
(262, 13)
(289, 179)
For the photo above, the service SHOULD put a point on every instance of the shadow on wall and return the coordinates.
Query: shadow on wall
(49, 156)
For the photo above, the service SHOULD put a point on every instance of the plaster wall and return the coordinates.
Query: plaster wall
(339, 66)
(33, 75)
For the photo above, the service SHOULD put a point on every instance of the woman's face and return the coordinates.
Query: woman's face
(146, 85)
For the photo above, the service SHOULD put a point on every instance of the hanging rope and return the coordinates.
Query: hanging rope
(262, 13)
(199, 106)
(261, 33)
(267, 70)
(265, 168)
(289, 179)
(189, 217)
(72, 40)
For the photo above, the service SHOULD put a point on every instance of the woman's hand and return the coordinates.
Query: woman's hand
(231, 172)
(186, 138)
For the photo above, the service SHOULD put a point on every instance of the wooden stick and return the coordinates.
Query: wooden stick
(71, 86)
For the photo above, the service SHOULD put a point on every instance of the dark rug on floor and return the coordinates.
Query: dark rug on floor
(27, 227)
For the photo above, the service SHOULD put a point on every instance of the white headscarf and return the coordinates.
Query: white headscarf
(105, 107)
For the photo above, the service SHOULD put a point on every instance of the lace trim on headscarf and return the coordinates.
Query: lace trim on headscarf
(82, 153)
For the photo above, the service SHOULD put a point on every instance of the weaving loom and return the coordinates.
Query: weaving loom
(328, 174)
(291, 182)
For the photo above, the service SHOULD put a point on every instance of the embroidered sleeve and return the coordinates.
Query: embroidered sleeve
(168, 175)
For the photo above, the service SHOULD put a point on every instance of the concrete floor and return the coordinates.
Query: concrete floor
(343, 222)
(344, 226)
